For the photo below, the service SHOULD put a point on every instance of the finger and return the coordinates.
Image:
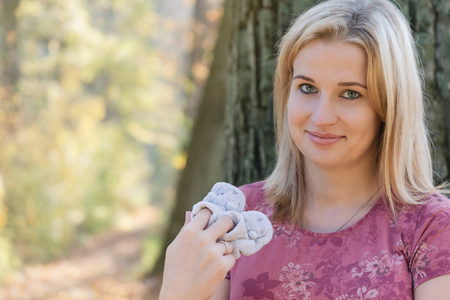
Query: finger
(220, 227)
(229, 260)
(200, 220)
(187, 218)
(228, 247)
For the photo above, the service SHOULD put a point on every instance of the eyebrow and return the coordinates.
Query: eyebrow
(304, 78)
(339, 84)
(352, 83)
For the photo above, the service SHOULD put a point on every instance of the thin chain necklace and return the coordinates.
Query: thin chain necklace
(365, 204)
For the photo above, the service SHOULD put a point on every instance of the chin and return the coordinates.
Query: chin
(327, 164)
(324, 160)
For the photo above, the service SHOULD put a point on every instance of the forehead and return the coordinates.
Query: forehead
(335, 59)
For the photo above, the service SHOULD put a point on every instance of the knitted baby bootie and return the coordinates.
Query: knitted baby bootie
(223, 197)
(251, 233)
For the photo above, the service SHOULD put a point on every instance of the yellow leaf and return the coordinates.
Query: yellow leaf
(179, 161)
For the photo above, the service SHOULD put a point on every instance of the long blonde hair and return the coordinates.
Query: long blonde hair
(395, 91)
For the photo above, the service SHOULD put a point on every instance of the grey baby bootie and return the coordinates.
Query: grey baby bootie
(252, 229)
(251, 233)
(223, 197)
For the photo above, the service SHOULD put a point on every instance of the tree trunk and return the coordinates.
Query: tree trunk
(441, 78)
(257, 26)
(430, 20)
(204, 165)
(204, 30)
(9, 70)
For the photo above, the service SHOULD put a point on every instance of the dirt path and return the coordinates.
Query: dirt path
(106, 268)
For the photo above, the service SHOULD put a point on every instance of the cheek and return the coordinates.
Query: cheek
(376, 127)
(295, 112)
(374, 123)
(368, 126)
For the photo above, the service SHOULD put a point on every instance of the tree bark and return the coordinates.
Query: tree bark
(430, 20)
(204, 165)
(256, 27)
(441, 30)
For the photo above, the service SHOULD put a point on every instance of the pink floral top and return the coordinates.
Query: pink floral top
(375, 258)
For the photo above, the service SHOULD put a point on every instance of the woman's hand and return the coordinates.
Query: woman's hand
(195, 262)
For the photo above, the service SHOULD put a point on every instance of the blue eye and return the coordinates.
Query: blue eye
(350, 94)
(307, 88)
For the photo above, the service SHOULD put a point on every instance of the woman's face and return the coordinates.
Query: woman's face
(330, 117)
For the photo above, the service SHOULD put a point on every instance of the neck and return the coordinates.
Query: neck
(333, 187)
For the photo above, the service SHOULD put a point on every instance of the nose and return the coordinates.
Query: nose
(324, 112)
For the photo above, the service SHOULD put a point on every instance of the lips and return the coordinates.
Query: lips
(324, 139)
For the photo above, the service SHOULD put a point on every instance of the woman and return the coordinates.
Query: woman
(351, 199)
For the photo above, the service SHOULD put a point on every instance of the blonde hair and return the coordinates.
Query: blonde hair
(394, 88)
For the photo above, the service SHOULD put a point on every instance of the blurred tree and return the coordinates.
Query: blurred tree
(9, 113)
(9, 69)
(170, 44)
(203, 34)
(204, 164)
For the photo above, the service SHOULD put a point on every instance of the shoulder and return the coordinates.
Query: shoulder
(435, 208)
(436, 203)
(253, 188)
(434, 216)
(255, 196)
(429, 239)
(432, 213)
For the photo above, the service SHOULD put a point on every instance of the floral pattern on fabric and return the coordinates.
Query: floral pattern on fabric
(296, 279)
(260, 287)
(376, 258)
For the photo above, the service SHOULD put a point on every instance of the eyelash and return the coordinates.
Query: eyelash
(301, 86)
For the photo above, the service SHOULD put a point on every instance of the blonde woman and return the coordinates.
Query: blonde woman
(351, 199)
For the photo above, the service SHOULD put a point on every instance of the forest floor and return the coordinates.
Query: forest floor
(108, 267)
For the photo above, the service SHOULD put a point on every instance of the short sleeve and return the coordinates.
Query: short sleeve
(431, 242)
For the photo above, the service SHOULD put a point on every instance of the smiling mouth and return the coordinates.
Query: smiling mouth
(324, 139)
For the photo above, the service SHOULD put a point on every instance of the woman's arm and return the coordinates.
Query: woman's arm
(195, 262)
(435, 289)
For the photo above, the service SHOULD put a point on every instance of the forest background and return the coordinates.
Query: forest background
(103, 103)
(96, 102)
